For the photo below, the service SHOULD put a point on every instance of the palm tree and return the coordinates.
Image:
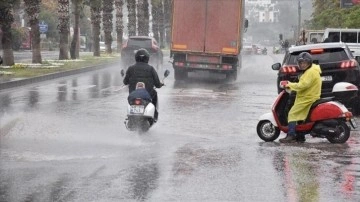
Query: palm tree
(6, 19)
(64, 23)
(167, 22)
(108, 7)
(143, 17)
(95, 9)
(32, 8)
(74, 48)
(131, 5)
(156, 16)
(119, 23)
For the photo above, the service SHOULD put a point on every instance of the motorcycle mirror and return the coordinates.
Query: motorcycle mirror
(166, 73)
(122, 72)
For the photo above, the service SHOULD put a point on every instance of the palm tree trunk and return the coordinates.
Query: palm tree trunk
(162, 24)
(64, 23)
(74, 48)
(131, 5)
(141, 17)
(119, 23)
(95, 21)
(32, 8)
(6, 19)
(108, 7)
(156, 15)
(167, 22)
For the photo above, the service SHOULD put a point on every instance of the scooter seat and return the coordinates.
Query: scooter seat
(320, 101)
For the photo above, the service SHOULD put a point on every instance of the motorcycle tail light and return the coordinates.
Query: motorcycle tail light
(288, 69)
(137, 101)
(348, 115)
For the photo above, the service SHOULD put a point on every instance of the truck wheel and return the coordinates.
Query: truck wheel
(231, 76)
(180, 74)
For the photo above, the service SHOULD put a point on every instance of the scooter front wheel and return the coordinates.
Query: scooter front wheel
(267, 131)
(343, 136)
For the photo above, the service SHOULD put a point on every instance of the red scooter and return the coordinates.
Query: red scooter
(328, 117)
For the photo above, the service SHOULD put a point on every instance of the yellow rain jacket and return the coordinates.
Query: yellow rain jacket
(308, 90)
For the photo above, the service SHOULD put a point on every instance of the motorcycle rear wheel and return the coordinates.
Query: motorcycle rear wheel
(343, 136)
(267, 131)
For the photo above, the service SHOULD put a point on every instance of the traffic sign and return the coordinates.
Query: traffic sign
(43, 27)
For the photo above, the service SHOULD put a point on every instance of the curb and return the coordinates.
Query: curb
(22, 82)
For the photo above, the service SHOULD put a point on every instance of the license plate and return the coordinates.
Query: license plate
(353, 123)
(326, 78)
(136, 109)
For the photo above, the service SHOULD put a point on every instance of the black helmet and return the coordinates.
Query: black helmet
(142, 55)
(304, 57)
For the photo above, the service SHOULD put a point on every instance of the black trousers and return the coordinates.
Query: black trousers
(154, 99)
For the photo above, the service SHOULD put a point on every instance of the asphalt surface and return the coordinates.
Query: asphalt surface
(64, 140)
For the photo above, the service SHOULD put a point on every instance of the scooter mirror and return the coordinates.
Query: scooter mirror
(122, 72)
(166, 73)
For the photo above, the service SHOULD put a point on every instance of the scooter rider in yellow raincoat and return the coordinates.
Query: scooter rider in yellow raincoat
(308, 90)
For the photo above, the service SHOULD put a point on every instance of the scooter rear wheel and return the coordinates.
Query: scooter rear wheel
(267, 131)
(343, 136)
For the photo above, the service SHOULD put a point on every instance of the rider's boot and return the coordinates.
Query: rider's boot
(300, 138)
(291, 136)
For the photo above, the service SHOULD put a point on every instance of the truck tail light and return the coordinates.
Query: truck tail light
(179, 64)
(225, 66)
(288, 69)
(348, 64)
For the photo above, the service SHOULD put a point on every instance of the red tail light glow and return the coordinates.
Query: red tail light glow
(226, 66)
(348, 64)
(288, 69)
(124, 44)
(348, 115)
(154, 47)
(138, 101)
(351, 87)
(180, 64)
(316, 51)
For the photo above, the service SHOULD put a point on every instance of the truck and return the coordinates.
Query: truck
(311, 37)
(207, 35)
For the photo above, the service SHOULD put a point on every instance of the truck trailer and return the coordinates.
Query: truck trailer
(207, 35)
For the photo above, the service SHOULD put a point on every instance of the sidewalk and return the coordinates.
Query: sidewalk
(6, 83)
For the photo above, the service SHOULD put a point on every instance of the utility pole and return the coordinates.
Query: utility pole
(299, 18)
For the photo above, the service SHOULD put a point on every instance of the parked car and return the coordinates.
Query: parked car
(134, 43)
(247, 48)
(337, 65)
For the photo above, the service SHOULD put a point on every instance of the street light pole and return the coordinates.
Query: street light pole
(299, 18)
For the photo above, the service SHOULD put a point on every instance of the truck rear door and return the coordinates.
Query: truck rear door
(223, 21)
(188, 25)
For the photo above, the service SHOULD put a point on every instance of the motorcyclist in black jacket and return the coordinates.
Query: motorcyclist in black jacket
(141, 71)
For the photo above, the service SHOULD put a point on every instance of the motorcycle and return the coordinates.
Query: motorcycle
(264, 51)
(141, 113)
(328, 117)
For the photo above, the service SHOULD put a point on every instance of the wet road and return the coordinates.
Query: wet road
(64, 140)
